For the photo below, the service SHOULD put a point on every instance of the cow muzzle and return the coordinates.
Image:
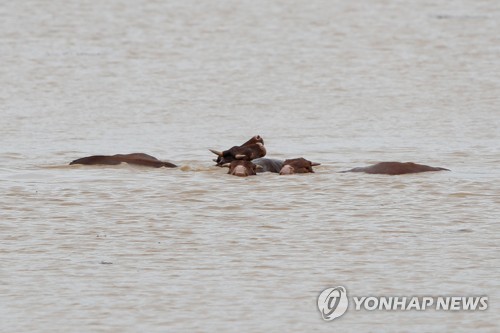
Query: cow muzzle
(240, 171)
(287, 170)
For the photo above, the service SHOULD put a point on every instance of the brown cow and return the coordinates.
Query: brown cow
(297, 165)
(252, 149)
(246, 168)
(241, 168)
(396, 168)
(136, 158)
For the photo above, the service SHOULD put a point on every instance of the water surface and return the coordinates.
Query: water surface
(192, 249)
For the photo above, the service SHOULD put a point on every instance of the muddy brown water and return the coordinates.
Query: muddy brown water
(346, 84)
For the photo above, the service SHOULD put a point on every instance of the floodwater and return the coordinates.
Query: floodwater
(192, 249)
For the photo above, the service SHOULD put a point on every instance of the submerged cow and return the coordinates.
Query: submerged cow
(297, 165)
(241, 168)
(136, 158)
(246, 168)
(252, 149)
(396, 168)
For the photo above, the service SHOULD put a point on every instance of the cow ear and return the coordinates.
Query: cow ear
(315, 164)
(226, 165)
(240, 156)
(259, 167)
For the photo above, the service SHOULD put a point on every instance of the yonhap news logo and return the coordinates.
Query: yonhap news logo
(333, 303)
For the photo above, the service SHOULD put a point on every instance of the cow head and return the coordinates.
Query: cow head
(241, 168)
(252, 149)
(297, 165)
(255, 139)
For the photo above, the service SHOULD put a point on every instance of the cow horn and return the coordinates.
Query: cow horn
(225, 165)
(315, 164)
(240, 156)
(218, 153)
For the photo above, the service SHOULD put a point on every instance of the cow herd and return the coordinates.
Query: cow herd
(248, 160)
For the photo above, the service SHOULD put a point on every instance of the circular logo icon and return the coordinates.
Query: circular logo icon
(332, 303)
